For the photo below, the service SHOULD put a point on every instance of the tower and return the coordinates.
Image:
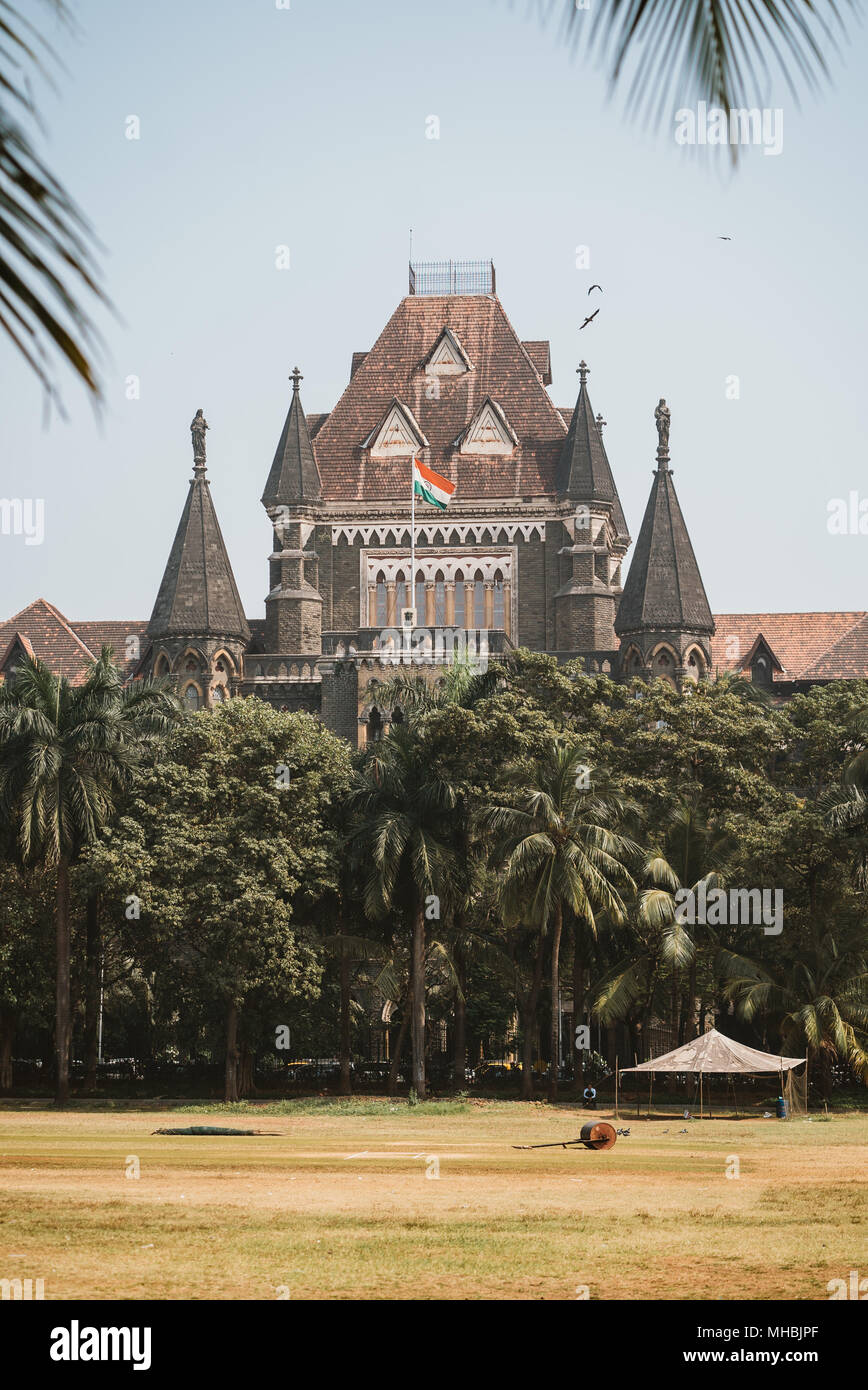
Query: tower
(198, 630)
(664, 622)
(597, 537)
(292, 497)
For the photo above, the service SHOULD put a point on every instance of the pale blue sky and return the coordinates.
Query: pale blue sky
(306, 127)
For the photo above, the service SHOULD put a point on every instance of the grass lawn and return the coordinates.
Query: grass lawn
(342, 1201)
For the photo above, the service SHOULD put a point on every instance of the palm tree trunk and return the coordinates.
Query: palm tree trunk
(556, 1015)
(400, 1042)
(93, 952)
(246, 1068)
(63, 1007)
(578, 1054)
(529, 1024)
(345, 1087)
(418, 1011)
(459, 1055)
(7, 1037)
(230, 1095)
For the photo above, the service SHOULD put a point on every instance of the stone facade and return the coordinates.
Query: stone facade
(529, 552)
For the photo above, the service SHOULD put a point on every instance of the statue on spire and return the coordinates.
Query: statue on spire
(661, 416)
(198, 427)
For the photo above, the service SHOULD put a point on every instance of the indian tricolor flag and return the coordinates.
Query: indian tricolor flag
(430, 486)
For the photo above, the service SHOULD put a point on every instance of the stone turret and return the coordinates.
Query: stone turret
(596, 537)
(198, 630)
(293, 493)
(664, 621)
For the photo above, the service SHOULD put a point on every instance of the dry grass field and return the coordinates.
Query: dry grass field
(344, 1200)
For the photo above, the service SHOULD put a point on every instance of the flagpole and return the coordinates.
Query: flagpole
(412, 603)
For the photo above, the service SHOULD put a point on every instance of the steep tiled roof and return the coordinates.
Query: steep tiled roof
(809, 646)
(502, 369)
(664, 588)
(128, 640)
(584, 467)
(198, 594)
(50, 638)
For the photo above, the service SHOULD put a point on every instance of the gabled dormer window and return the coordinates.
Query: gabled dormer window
(397, 435)
(489, 432)
(447, 357)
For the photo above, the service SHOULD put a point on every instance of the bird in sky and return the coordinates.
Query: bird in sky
(596, 287)
(724, 238)
(589, 319)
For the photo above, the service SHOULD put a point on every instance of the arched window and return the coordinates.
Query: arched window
(499, 610)
(420, 597)
(162, 666)
(218, 695)
(459, 600)
(192, 698)
(695, 666)
(439, 600)
(375, 726)
(397, 715)
(381, 602)
(479, 604)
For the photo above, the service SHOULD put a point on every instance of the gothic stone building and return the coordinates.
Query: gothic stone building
(530, 552)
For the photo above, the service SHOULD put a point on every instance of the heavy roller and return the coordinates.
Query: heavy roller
(596, 1134)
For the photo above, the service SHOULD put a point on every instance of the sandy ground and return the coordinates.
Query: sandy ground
(400, 1204)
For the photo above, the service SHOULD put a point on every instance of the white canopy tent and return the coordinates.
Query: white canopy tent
(713, 1053)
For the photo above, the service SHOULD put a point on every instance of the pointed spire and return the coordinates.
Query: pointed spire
(294, 476)
(584, 471)
(664, 589)
(198, 595)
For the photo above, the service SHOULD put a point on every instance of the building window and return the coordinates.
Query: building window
(192, 698)
(381, 603)
(439, 602)
(479, 604)
(459, 600)
(217, 695)
(499, 612)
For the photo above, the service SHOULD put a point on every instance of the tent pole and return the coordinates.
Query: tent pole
(616, 1088)
(700, 1095)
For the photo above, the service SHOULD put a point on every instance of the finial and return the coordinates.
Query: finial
(295, 377)
(600, 423)
(583, 369)
(198, 426)
(662, 420)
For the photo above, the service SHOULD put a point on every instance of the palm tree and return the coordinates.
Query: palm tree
(818, 1001)
(44, 239)
(560, 848)
(66, 751)
(403, 807)
(674, 52)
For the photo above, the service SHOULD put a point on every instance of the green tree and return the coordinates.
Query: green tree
(66, 752)
(228, 851)
(46, 246)
(403, 807)
(561, 847)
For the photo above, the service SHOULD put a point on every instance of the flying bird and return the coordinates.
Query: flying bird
(724, 238)
(596, 287)
(589, 319)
